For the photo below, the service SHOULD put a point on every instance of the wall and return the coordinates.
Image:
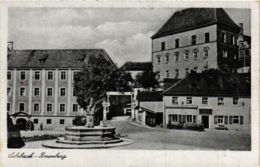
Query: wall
(185, 44)
(228, 109)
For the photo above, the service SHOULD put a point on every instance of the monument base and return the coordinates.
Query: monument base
(83, 137)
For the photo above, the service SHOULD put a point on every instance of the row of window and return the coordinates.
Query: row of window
(49, 121)
(193, 41)
(36, 107)
(220, 119)
(182, 118)
(232, 39)
(37, 75)
(36, 92)
(186, 56)
(204, 100)
(187, 71)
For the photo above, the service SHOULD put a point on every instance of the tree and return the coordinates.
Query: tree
(95, 79)
(147, 79)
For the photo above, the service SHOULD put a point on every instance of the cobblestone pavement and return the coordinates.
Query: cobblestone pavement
(165, 139)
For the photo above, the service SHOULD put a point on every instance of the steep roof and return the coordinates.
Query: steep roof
(68, 58)
(212, 84)
(149, 96)
(192, 18)
(137, 66)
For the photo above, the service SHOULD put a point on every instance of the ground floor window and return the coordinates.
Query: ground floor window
(62, 121)
(220, 119)
(189, 118)
(183, 118)
(35, 121)
(48, 121)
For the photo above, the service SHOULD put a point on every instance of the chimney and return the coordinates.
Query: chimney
(242, 28)
(10, 45)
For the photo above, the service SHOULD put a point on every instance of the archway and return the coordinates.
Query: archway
(21, 123)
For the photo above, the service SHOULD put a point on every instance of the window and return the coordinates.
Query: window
(195, 69)
(176, 73)
(194, 118)
(189, 118)
(174, 100)
(75, 108)
(36, 107)
(186, 55)
(176, 56)
(9, 75)
(225, 53)
(220, 101)
(62, 92)
(158, 59)
(9, 91)
(220, 119)
(63, 75)
(204, 100)
(187, 71)
(224, 37)
(235, 120)
(62, 107)
(62, 121)
(22, 91)
(235, 101)
(189, 100)
(226, 120)
(73, 92)
(162, 45)
(167, 73)
(21, 107)
(75, 75)
(177, 43)
(48, 121)
(36, 92)
(193, 40)
(49, 91)
(167, 57)
(241, 120)
(37, 75)
(35, 121)
(207, 37)
(174, 118)
(22, 76)
(50, 75)
(49, 107)
(206, 52)
(8, 107)
(195, 54)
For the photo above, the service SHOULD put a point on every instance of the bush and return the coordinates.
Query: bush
(188, 126)
(195, 126)
(79, 121)
(175, 125)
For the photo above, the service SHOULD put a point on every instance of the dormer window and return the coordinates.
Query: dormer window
(82, 58)
(43, 58)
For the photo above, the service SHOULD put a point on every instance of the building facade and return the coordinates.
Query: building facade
(216, 107)
(40, 85)
(195, 39)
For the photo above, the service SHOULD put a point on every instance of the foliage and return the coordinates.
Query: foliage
(147, 79)
(79, 121)
(188, 126)
(98, 77)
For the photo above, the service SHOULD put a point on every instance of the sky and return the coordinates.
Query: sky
(125, 33)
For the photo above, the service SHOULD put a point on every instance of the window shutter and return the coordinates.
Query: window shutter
(215, 119)
(241, 120)
(230, 119)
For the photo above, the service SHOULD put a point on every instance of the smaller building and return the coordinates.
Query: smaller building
(135, 68)
(216, 100)
(149, 108)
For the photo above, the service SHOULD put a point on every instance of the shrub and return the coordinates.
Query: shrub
(79, 121)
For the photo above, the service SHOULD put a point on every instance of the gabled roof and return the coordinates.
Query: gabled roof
(192, 18)
(149, 96)
(137, 66)
(212, 84)
(68, 58)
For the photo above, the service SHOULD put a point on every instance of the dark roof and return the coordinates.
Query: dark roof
(137, 66)
(74, 58)
(167, 82)
(149, 96)
(192, 18)
(212, 84)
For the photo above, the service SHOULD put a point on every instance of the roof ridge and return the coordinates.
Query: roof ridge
(173, 85)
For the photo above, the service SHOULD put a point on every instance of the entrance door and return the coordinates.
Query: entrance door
(205, 121)
(21, 123)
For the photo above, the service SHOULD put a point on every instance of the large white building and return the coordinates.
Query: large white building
(40, 85)
(195, 39)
